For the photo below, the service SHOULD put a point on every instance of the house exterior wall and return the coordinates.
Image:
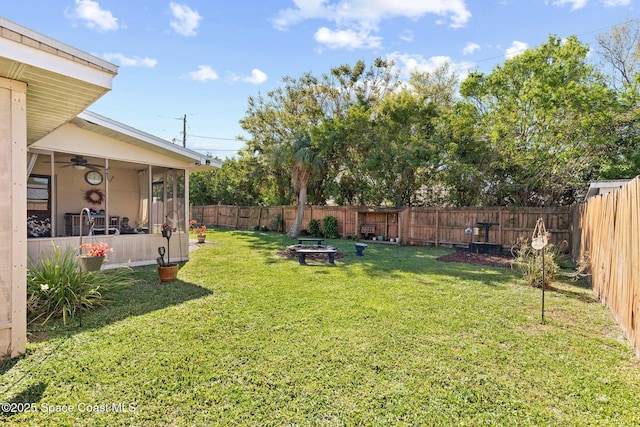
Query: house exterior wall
(13, 228)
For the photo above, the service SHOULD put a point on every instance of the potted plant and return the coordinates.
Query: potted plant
(201, 232)
(94, 258)
(167, 271)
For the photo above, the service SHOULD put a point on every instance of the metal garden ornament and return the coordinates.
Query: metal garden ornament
(539, 241)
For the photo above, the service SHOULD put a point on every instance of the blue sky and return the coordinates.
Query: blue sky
(204, 58)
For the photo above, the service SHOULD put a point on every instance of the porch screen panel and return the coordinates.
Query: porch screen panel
(168, 191)
(175, 202)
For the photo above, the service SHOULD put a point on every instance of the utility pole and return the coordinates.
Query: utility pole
(184, 131)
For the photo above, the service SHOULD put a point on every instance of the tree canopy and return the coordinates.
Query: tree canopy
(532, 132)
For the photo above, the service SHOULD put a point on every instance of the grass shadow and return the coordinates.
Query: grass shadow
(7, 364)
(145, 295)
(25, 401)
(576, 288)
(262, 240)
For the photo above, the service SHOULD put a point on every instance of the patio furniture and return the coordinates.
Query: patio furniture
(72, 224)
(302, 254)
(303, 240)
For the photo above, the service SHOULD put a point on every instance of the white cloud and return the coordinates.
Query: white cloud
(575, 4)
(579, 4)
(203, 74)
(93, 16)
(614, 3)
(185, 20)
(515, 49)
(356, 20)
(346, 39)
(134, 61)
(408, 63)
(470, 48)
(257, 77)
(407, 36)
(371, 11)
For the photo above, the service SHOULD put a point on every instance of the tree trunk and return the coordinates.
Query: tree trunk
(302, 200)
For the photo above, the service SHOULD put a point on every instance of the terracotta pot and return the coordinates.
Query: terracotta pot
(168, 272)
(90, 263)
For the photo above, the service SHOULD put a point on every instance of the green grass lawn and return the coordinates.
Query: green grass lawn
(395, 337)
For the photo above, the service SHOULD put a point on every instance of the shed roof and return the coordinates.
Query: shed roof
(380, 209)
(604, 187)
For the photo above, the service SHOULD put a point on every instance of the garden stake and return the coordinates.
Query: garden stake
(538, 241)
(542, 252)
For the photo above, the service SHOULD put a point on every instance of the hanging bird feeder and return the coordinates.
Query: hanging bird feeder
(540, 237)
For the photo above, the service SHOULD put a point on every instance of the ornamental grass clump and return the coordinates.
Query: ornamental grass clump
(529, 261)
(57, 288)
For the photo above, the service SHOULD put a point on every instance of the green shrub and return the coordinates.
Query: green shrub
(57, 288)
(330, 227)
(314, 228)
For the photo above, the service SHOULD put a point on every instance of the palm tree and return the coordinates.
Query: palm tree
(307, 166)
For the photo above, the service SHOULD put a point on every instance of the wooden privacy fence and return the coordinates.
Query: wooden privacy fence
(411, 225)
(609, 229)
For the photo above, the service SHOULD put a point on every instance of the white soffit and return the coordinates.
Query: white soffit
(110, 128)
(61, 81)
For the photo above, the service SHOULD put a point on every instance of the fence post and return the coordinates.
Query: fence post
(437, 225)
(500, 229)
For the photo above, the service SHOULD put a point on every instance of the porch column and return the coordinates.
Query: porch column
(13, 211)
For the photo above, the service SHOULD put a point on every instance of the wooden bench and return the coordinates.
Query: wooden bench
(302, 240)
(302, 254)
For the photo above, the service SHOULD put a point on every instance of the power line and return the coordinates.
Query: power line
(213, 149)
(519, 51)
(215, 137)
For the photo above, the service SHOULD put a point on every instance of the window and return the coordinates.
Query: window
(39, 206)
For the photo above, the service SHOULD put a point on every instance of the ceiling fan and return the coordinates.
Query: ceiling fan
(79, 162)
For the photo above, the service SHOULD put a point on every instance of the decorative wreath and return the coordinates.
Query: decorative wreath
(94, 196)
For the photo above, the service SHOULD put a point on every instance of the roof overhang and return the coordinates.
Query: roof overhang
(112, 129)
(61, 81)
